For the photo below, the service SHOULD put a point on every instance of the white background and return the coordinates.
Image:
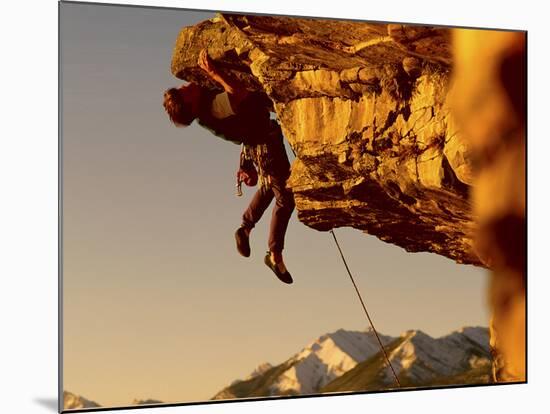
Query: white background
(28, 208)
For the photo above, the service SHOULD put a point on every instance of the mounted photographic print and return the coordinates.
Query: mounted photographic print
(261, 207)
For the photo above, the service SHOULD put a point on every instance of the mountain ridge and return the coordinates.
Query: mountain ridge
(352, 360)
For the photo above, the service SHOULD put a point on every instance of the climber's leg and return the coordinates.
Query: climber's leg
(257, 206)
(251, 216)
(282, 210)
(284, 205)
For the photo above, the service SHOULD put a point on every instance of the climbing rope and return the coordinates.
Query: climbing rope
(365, 309)
(388, 362)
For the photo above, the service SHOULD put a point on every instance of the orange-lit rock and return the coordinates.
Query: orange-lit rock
(381, 144)
(488, 102)
(364, 107)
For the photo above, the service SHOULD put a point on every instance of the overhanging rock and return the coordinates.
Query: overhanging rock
(364, 107)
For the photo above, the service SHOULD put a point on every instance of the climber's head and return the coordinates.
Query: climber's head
(182, 104)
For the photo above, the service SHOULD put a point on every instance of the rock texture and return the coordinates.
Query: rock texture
(385, 145)
(364, 106)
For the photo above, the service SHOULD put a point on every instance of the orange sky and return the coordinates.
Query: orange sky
(157, 304)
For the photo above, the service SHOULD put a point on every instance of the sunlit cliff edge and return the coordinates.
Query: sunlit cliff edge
(364, 107)
(413, 134)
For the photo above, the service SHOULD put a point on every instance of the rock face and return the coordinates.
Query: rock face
(364, 108)
(385, 145)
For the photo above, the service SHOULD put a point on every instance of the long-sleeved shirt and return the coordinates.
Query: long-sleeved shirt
(250, 124)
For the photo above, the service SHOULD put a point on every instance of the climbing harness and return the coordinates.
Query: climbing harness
(239, 181)
(257, 157)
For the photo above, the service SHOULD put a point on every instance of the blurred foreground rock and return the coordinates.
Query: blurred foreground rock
(489, 103)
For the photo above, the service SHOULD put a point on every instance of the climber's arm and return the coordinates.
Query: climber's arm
(235, 89)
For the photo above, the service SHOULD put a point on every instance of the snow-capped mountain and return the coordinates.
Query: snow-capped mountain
(72, 401)
(352, 360)
(259, 370)
(420, 360)
(325, 359)
(321, 361)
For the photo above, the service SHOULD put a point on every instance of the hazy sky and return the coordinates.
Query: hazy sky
(157, 302)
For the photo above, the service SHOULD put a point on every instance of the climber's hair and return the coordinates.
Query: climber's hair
(179, 112)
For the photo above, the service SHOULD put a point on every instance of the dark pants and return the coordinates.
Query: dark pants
(284, 204)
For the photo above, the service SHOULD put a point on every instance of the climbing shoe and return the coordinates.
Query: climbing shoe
(243, 244)
(279, 269)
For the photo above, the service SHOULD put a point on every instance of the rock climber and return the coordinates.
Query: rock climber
(243, 117)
